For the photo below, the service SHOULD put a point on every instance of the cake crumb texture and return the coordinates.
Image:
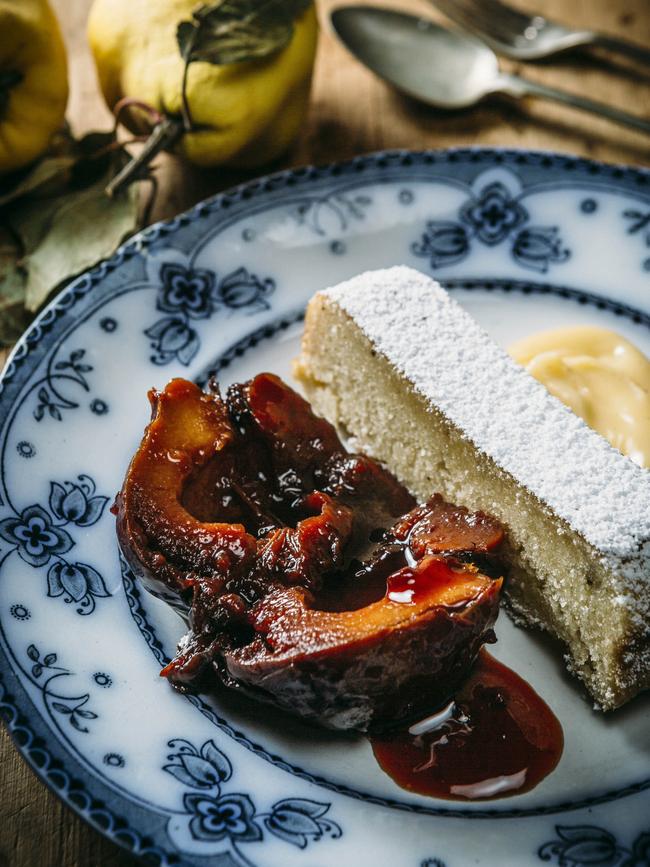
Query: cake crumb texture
(412, 379)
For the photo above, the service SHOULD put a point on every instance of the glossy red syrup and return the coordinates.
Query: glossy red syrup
(416, 583)
(497, 738)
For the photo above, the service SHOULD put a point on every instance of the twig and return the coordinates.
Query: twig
(163, 136)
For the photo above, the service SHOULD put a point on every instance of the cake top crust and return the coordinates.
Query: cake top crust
(509, 416)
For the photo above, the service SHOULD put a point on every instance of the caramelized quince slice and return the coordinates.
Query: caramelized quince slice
(251, 513)
(375, 666)
(438, 527)
(163, 542)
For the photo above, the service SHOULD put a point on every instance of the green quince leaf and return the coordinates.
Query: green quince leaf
(237, 31)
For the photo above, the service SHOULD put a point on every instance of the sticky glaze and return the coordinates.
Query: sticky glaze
(495, 739)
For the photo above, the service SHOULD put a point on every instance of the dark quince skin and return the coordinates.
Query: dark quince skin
(310, 577)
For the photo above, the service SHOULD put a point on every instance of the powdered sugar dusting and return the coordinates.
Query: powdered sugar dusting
(505, 412)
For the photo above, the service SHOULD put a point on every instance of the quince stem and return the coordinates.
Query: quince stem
(164, 136)
(185, 106)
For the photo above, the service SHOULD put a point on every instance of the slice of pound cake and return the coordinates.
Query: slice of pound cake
(412, 380)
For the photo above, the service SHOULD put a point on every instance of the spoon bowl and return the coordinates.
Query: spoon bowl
(441, 67)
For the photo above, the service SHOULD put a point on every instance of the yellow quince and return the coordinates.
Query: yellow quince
(33, 81)
(243, 114)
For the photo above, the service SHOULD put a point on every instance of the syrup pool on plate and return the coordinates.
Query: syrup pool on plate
(495, 739)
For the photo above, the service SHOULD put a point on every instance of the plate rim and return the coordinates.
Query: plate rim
(291, 177)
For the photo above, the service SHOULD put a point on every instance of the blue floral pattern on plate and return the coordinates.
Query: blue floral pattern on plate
(492, 218)
(221, 288)
(51, 400)
(639, 222)
(215, 815)
(591, 846)
(190, 294)
(38, 537)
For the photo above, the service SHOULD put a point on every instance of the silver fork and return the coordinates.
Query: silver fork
(528, 37)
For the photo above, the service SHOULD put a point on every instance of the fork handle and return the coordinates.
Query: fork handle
(621, 46)
(516, 86)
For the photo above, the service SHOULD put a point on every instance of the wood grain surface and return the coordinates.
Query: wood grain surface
(351, 113)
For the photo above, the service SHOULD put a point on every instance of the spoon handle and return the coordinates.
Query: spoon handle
(516, 86)
(628, 49)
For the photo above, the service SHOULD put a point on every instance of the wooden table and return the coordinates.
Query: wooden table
(351, 113)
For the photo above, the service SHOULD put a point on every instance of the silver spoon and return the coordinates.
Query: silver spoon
(442, 67)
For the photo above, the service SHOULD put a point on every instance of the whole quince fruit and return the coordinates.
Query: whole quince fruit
(243, 114)
(33, 81)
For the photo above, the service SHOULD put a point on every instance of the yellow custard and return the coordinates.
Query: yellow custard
(601, 376)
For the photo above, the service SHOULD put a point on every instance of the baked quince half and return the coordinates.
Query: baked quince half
(311, 578)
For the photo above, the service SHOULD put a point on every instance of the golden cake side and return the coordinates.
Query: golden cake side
(559, 580)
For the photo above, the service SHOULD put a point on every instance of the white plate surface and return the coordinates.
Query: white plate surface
(525, 241)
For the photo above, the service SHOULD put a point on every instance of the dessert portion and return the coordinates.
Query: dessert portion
(411, 379)
(311, 578)
(601, 376)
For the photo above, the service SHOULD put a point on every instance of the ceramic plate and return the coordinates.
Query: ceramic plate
(525, 241)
